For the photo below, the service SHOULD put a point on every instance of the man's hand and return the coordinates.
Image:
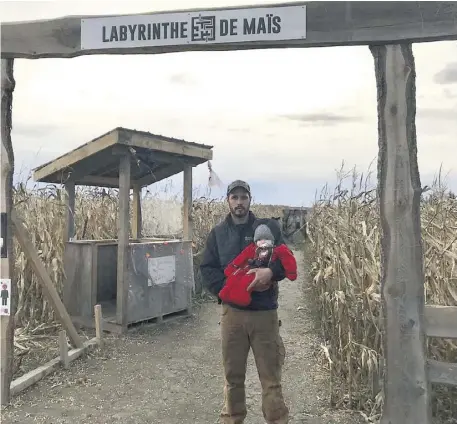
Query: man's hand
(262, 280)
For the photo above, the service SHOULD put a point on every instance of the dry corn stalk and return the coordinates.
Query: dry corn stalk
(344, 231)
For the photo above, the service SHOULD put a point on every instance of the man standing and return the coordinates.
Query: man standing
(242, 328)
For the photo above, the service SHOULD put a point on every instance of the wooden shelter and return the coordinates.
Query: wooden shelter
(125, 159)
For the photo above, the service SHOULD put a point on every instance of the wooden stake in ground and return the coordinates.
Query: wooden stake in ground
(7, 262)
(407, 394)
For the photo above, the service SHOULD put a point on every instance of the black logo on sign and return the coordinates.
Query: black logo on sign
(204, 28)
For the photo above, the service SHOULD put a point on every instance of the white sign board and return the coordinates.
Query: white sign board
(161, 271)
(200, 27)
(5, 296)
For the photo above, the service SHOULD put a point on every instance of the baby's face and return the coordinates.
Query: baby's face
(263, 248)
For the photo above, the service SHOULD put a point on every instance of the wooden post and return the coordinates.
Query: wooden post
(123, 241)
(6, 201)
(63, 347)
(187, 203)
(98, 324)
(187, 219)
(136, 224)
(407, 394)
(70, 210)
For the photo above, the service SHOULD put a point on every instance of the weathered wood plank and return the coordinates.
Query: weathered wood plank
(32, 377)
(76, 353)
(46, 283)
(76, 155)
(94, 180)
(441, 321)
(6, 204)
(70, 198)
(407, 394)
(164, 145)
(63, 348)
(442, 372)
(79, 278)
(123, 236)
(187, 203)
(164, 172)
(98, 324)
(94, 276)
(187, 221)
(160, 174)
(136, 212)
(328, 24)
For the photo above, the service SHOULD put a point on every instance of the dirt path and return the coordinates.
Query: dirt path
(173, 375)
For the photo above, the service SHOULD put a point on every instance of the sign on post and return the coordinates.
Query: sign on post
(5, 296)
(200, 27)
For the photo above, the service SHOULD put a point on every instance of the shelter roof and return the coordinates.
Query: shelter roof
(96, 163)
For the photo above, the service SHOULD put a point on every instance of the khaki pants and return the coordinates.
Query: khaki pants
(259, 330)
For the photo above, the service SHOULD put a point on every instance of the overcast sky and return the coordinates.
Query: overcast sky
(283, 120)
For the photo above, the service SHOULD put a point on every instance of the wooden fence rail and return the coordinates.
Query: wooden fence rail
(441, 321)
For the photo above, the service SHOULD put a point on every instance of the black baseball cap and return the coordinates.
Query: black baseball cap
(238, 184)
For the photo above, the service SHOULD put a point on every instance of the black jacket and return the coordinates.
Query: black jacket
(224, 243)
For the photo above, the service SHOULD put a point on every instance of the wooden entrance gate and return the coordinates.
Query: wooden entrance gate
(389, 29)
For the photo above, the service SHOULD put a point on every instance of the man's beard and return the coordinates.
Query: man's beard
(239, 212)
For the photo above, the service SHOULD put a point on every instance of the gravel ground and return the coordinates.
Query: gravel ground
(172, 374)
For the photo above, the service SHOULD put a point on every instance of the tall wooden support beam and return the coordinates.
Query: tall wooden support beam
(6, 201)
(123, 241)
(137, 218)
(187, 203)
(407, 394)
(70, 197)
(187, 220)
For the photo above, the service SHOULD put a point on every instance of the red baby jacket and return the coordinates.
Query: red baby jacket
(237, 281)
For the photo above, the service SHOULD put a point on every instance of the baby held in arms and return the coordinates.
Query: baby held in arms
(258, 254)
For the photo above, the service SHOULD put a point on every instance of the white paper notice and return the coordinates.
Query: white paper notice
(161, 271)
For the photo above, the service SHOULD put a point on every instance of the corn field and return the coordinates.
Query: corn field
(344, 230)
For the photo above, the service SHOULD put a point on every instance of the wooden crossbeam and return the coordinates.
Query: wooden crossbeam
(152, 142)
(347, 23)
(441, 321)
(442, 372)
(159, 175)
